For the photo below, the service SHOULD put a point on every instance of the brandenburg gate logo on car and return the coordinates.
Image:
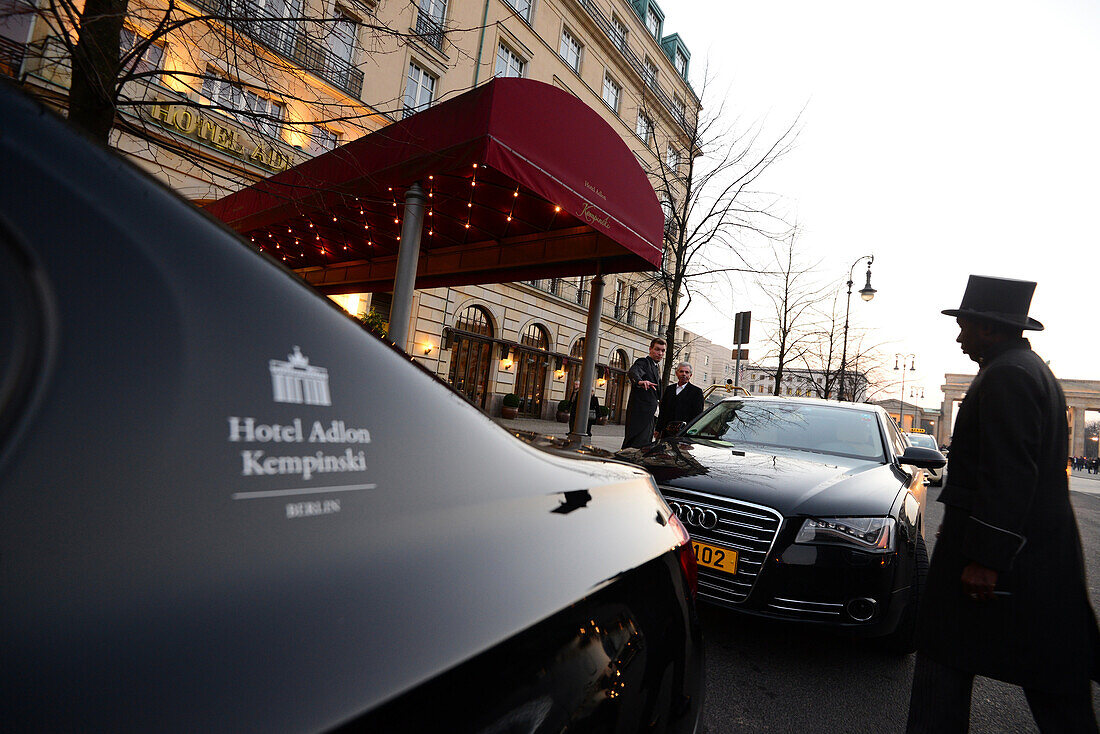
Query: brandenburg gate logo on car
(296, 381)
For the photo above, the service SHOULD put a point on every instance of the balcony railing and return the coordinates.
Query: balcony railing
(637, 64)
(288, 39)
(429, 30)
(11, 56)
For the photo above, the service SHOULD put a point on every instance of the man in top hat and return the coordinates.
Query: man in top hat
(1006, 595)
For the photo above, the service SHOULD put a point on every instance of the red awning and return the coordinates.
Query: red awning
(524, 181)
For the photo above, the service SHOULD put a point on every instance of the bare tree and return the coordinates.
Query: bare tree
(792, 326)
(821, 356)
(706, 178)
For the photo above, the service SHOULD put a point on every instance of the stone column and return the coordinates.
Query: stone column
(577, 432)
(1077, 431)
(947, 414)
(408, 256)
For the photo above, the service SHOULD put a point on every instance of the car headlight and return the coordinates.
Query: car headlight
(871, 534)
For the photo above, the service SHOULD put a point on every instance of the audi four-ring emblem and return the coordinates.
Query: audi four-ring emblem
(696, 517)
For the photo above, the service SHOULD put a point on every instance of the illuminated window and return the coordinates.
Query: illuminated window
(149, 60)
(257, 112)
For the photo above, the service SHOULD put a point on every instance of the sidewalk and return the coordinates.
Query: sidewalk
(609, 437)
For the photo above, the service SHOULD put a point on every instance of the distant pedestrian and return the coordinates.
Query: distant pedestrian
(1006, 596)
(593, 407)
(641, 407)
(682, 401)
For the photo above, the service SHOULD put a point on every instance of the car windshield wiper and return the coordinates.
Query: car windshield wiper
(711, 439)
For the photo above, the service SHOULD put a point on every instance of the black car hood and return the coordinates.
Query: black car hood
(792, 482)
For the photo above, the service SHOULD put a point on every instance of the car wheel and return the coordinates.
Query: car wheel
(903, 640)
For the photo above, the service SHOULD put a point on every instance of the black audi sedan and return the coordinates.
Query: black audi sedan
(803, 510)
(225, 507)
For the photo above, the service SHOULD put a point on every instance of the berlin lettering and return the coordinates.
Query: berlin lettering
(249, 431)
(188, 121)
(311, 509)
(255, 463)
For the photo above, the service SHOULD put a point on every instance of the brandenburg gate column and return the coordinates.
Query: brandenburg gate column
(1077, 430)
(947, 410)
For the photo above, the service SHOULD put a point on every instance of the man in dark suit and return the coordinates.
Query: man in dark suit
(682, 401)
(1006, 596)
(641, 407)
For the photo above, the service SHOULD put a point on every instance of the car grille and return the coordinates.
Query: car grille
(747, 528)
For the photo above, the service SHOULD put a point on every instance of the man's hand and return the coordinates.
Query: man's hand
(978, 581)
(647, 385)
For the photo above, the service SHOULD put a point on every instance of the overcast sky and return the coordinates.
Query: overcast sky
(947, 138)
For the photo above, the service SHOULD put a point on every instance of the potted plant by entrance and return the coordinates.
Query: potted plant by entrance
(510, 407)
(604, 413)
(563, 411)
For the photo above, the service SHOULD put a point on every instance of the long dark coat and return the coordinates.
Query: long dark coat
(593, 405)
(683, 407)
(1008, 508)
(641, 407)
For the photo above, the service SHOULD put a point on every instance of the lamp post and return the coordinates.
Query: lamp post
(866, 293)
(911, 360)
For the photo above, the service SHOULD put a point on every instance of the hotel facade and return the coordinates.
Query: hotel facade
(246, 89)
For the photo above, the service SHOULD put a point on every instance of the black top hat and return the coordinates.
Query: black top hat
(997, 300)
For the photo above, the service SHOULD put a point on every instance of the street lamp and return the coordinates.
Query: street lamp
(866, 293)
(911, 360)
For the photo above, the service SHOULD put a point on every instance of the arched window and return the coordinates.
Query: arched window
(573, 365)
(475, 320)
(535, 337)
(471, 350)
(532, 359)
(616, 386)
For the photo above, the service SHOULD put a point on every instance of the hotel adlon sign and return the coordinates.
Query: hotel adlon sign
(188, 120)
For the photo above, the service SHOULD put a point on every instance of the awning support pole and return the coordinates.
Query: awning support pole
(407, 257)
(579, 429)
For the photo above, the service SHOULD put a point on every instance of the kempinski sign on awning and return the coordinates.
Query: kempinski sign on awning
(187, 120)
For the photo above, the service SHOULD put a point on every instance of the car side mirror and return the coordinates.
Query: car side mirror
(673, 429)
(922, 458)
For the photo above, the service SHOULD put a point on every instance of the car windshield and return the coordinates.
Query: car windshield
(921, 439)
(821, 429)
